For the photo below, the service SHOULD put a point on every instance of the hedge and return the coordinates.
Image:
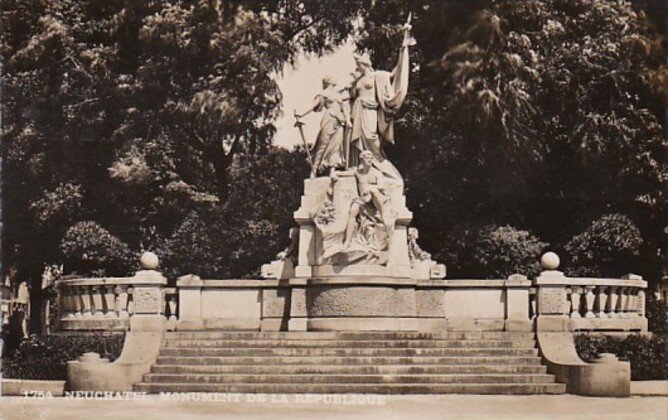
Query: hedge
(648, 355)
(46, 356)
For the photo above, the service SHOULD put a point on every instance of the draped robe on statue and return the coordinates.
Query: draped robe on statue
(373, 119)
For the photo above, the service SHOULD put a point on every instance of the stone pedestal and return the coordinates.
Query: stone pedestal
(190, 302)
(331, 289)
(353, 304)
(310, 261)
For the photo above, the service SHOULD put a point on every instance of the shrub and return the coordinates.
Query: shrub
(608, 247)
(89, 249)
(648, 355)
(656, 312)
(46, 356)
(500, 251)
(195, 247)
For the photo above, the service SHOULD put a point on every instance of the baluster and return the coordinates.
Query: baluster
(61, 298)
(631, 303)
(532, 303)
(589, 301)
(575, 302)
(76, 301)
(96, 293)
(70, 304)
(131, 302)
(86, 301)
(172, 307)
(65, 303)
(602, 300)
(122, 300)
(109, 301)
(623, 302)
(612, 303)
(640, 305)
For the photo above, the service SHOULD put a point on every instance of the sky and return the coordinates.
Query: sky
(300, 85)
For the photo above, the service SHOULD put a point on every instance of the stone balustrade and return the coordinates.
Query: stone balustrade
(551, 302)
(107, 303)
(15, 307)
(589, 304)
(607, 298)
(95, 303)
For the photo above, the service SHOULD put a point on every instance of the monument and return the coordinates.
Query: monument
(354, 243)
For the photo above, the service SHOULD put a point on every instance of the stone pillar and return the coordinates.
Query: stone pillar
(190, 302)
(517, 303)
(399, 264)
(623, 302)
(76, 301)
(305, 256)
(576, 291)
(96, 294)
(148, 296)
(121, 292)
(589, 301)
(84, 293)
(298, 316)
(602, 300)
(612, 303)
(110, 302)
(172, 308)
(641, 303)
(553, 307)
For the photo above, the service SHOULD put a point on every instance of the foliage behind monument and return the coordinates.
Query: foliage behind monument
(155, 121)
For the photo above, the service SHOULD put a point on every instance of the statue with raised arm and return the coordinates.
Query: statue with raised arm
(377, 96)
(354, 221)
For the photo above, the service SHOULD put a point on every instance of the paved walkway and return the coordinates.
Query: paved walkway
(292, 407)
(649, 388)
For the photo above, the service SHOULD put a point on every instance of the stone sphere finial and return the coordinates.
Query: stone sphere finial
(549, 261)
(149, 261)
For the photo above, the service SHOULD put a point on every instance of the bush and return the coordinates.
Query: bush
(496, 252)
(648, 355)
(656, 313)
(46, 356)
(89, 249)
(608, 247)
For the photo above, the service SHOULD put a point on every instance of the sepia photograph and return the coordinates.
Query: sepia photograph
(333, 209)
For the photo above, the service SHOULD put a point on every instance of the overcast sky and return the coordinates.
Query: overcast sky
(300, 85)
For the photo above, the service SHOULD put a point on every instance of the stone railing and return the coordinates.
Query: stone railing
(108, 303)
(171, 306)
(95, 303)
(589, 304)
(355, 304)
(15, 307)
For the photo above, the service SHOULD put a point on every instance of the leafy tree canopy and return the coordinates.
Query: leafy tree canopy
(539, 114)
(134, 125)
(132, 114)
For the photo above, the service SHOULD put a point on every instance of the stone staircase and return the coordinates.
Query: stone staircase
(349, 362)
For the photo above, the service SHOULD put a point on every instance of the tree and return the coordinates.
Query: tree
(235, 239)
(131, 114)
(538, 114)
(610, 246)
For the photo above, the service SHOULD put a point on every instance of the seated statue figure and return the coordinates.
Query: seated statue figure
(371, 193)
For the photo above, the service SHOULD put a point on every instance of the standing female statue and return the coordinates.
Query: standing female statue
(377, 96)
(329, 147)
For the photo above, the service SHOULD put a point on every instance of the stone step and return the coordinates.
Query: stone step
(339, 335)
(359, 360)
(346, 352)
(356, 369)
(301, 343)
(345, 378)
(404, 388)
